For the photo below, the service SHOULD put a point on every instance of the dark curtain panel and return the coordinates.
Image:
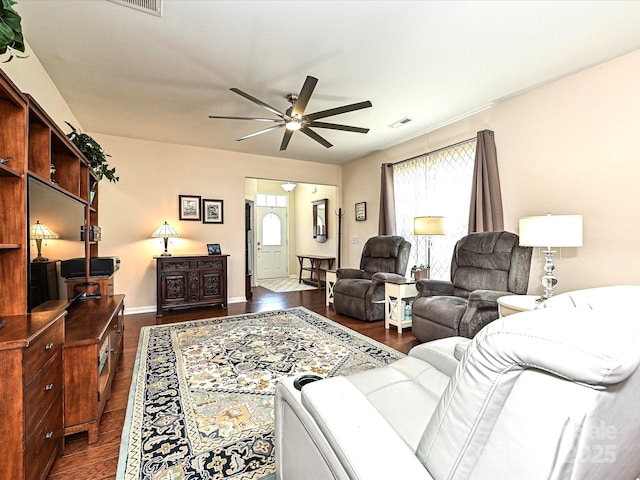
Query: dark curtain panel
(485, 212)
(387, 221)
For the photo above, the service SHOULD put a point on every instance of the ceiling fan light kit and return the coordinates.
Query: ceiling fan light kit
(294, 119)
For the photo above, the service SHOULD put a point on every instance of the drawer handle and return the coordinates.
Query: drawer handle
(48, 346)
(49, 387)
(48, 435)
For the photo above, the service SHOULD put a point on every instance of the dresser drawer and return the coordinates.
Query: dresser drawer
(45, 442)
(42, 391)
(43, 349)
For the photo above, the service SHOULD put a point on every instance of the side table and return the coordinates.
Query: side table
(394, 293)
(510, 304)
(330, 281)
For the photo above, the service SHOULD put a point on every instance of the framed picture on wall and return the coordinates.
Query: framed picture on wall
(361, 211)
(213, 211)
(189, 207)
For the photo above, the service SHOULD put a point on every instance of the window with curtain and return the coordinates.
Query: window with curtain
(435, 184)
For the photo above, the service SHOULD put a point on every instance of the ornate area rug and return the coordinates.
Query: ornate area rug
(201, 398)
(286, 284)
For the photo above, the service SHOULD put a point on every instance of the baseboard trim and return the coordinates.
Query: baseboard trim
(152, 308)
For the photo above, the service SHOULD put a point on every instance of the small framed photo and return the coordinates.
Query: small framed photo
(213, 211)
(189, 207)
(361, 211)
(213, 249)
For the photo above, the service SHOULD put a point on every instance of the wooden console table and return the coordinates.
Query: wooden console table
(191, 281)
(315, 267)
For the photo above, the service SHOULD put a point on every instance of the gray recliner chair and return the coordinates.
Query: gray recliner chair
(360, 293)
(484, 267)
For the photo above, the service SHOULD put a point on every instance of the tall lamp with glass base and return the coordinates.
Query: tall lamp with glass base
(39, 232)
(428, 226)
(165, 231)
(550, 231)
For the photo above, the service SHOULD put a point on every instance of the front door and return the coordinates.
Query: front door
(271, 234)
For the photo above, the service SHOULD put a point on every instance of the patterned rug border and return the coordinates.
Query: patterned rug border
(126, 442)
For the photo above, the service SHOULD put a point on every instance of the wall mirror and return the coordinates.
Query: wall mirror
(320, 232)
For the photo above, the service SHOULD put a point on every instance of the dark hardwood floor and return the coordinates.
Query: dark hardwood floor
(99, 461)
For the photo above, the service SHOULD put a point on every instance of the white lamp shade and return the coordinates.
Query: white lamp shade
(165, 231)
(288, 186)
(39, 231)
(428, 226)
(551, 231)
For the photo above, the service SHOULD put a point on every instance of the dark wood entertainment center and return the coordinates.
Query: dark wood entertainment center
(57, 362)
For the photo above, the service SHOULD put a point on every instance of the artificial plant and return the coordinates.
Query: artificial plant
(94, 153)
(11, 38)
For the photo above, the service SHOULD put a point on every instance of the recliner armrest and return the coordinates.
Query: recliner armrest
(383, 277)
(486, 298)
(440, 354)
(355, 429)
(349, 273)
(430, 288)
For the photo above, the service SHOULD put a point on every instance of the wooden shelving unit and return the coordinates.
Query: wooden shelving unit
(31, 345)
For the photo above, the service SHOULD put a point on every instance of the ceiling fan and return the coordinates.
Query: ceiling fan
(294, 117)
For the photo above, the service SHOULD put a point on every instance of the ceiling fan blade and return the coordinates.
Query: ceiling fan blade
(335, 126)
(260, 132)
(338, 110)
(310, 133)
(285, 139)
(246, 118)
(258, 102)
(304, 96)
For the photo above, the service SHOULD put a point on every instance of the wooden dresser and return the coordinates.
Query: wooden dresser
(31, 372)
(92, 350)
(191, 281)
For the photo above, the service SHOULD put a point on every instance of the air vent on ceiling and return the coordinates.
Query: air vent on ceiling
(154, 7)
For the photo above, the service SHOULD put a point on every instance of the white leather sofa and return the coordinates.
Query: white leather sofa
(548, 394)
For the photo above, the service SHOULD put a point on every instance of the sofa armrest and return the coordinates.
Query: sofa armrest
(430, 288)
(355, 429)
(349, 273)
(440, 354)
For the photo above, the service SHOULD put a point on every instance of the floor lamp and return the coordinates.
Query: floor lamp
(428, 226)
(550, 231)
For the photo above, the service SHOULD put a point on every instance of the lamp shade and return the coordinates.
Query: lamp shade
(39, 231)
(288, 187)
(428, 226)
(165, 231)
(551, 231)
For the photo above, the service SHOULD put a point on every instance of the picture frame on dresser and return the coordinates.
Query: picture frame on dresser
(213, 249)
(189, 207)
(213, 211)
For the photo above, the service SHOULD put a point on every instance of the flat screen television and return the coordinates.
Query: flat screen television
(64, 215)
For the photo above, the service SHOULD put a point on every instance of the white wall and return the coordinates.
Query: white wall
(152, 175)
(567, 148)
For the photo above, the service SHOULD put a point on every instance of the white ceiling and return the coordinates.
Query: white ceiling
(132, 74)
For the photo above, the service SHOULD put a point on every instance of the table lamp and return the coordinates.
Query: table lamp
(428, 226)
(165, 231)
(550, 231)
(39, 232)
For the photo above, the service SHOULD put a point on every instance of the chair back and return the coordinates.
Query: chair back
(556, 388)
(490, 261)
(385, 253)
